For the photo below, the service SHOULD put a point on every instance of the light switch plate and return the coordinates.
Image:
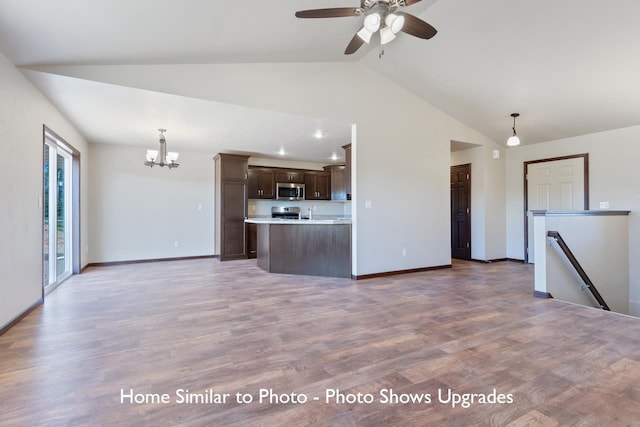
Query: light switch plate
(367, 204)
(604, 205)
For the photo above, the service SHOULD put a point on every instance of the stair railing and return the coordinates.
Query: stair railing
(588, 284)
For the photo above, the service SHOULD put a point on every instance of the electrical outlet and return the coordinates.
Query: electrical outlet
(604, 205)
(175, 244)
(404, 252)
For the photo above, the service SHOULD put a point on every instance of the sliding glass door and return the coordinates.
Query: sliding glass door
(58, 199)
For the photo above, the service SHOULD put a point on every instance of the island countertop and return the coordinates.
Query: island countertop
(298, 221)
(314, 247)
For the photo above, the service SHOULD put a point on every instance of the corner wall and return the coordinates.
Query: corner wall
(140, 212)
(488, 234)
(23, 112)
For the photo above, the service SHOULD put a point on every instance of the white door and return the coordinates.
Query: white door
(554, 185)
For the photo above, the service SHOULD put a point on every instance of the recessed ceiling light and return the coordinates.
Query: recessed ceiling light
(282, 152)
(319, 134)
(334, 157)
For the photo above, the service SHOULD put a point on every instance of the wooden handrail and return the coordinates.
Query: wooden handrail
(576, 265)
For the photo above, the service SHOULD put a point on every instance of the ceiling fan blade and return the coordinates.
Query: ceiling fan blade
(336, 12)
(410, 2)
(354, 45)
(417, 27)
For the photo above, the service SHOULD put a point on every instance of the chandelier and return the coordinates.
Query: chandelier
(164, 158)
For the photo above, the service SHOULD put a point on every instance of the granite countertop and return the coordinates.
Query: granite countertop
(298, 221)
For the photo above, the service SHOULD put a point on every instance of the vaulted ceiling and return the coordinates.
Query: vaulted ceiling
(568, 67)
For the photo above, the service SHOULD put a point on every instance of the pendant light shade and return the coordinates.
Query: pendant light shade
(514, 139)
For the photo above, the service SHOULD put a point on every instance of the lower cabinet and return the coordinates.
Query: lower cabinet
(252, 240)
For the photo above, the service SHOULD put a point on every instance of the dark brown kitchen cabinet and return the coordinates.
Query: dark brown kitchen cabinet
(261, 183)
(317, 185)
(338, 181)
(231, 179)
(252, 240)
(283, 175)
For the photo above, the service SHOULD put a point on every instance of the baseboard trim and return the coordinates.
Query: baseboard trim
(20, 316)
(489, 261)
(634, 308)
(540, 294)
(140, 261)
(399, 272)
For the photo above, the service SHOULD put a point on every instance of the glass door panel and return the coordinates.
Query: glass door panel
(57, 214)
(46, 227)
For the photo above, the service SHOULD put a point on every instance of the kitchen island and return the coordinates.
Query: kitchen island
(315, 247)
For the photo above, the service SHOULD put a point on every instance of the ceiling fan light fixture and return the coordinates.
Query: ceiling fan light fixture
(386, 35)
(372, 22)
(365, 35)
(394, 22)
(514, 139)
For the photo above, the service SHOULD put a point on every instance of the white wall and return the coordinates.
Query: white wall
(139, 212)
(402, 150)
(23, 112)
(488, 235)
(613, 157)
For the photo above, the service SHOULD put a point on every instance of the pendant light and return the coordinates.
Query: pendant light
(513, 139)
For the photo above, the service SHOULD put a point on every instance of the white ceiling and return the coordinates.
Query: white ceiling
(568, 67)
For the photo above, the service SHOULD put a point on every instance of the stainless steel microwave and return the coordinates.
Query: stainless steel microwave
(289, 191)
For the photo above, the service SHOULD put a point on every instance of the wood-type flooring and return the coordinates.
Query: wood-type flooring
(142, 331)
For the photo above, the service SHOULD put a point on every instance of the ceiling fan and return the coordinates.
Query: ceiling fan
(379, 15)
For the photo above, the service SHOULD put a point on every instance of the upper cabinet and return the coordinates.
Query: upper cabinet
(317, 185)
(293, 176)
(338, 181)
(261, 183)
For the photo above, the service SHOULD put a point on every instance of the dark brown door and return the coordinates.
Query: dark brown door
(461, 211)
